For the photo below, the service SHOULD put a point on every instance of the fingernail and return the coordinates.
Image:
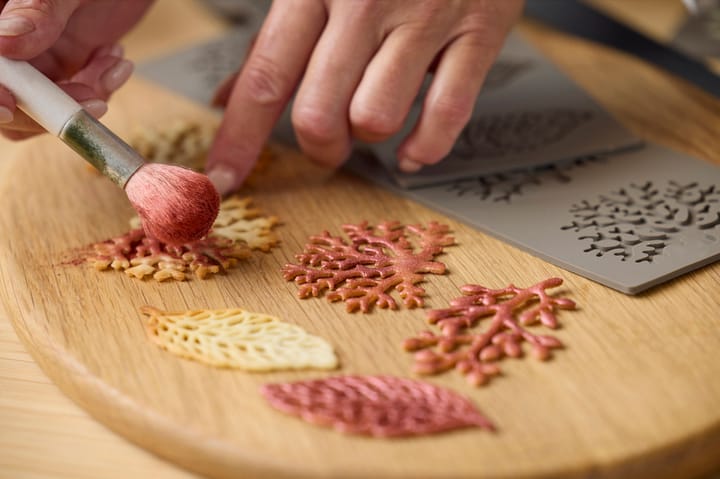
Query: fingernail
(14, 26)
(407, 165)
(115, 77)
(223, 179)
(96, 108)
(6, 116)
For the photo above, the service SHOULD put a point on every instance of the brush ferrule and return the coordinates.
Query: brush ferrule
(101, 147)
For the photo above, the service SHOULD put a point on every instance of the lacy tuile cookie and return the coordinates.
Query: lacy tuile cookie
(238, 229)
(180, 142)
(141, 256)
(377, 260)
(184, 142)
(235, 338)
(238, 220)
(475, 354)
(187, 143)
(380, 406)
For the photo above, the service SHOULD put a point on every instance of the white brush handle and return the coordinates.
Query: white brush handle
(62, 116)
(37, 95)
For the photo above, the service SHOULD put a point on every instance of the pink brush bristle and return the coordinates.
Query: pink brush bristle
(176, 205)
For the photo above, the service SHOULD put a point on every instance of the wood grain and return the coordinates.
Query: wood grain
(617, 398)
(633, 394)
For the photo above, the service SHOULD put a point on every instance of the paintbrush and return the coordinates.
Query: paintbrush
(176, 205)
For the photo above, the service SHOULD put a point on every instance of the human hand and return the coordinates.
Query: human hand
(74, 43)
(359, 66)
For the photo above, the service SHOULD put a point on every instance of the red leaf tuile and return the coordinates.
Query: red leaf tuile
(380, 406)
(377, 260)
(474, 354)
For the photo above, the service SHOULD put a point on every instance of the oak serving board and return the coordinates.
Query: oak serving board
(634, 390)
(633, 394)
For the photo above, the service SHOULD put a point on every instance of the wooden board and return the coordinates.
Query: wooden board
(634, 388)
(635, 392)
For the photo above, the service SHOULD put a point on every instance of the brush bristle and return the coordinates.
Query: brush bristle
(176, 205)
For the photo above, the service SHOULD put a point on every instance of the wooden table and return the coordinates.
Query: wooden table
(44, 435)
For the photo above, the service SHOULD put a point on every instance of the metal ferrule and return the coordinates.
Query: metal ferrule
(101, 147)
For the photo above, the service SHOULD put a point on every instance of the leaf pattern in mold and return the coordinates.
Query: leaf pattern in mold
(503, 72)
(516, 132)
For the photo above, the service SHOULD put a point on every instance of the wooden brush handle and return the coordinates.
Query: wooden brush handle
(37, 95)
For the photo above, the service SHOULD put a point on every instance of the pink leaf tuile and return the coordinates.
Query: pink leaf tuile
(380, 406)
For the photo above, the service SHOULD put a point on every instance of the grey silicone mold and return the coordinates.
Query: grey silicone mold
(529, 114)
(195, 72)
(630, 221)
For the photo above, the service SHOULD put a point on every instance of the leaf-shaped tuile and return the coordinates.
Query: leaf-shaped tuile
(476, 353)
(235, 338)
(382, 406)
(377, 260)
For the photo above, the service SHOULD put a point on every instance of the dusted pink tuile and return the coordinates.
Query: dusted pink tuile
(176, 205)
(380, 406)
(376, 261)
(204, 256)
(474, 353)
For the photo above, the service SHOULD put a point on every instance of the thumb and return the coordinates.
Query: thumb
(29, 27)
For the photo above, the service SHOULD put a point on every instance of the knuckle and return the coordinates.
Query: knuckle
(430, 10)
(265, 82)
(374, 122)
(452, 113)
(314, 125)
(364, 8)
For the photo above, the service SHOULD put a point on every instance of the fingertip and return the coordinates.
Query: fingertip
(6, 115)
(117, 75)
(15, 25)
(7, 106)
(231, 158)
(407, 165)
(20, 38)
(29, 28)
(223, 178)
(95, 107)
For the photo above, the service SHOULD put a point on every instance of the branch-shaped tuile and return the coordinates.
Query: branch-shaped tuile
(475, 354)
(376, 261)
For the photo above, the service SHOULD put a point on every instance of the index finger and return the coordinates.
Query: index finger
(263, 88)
